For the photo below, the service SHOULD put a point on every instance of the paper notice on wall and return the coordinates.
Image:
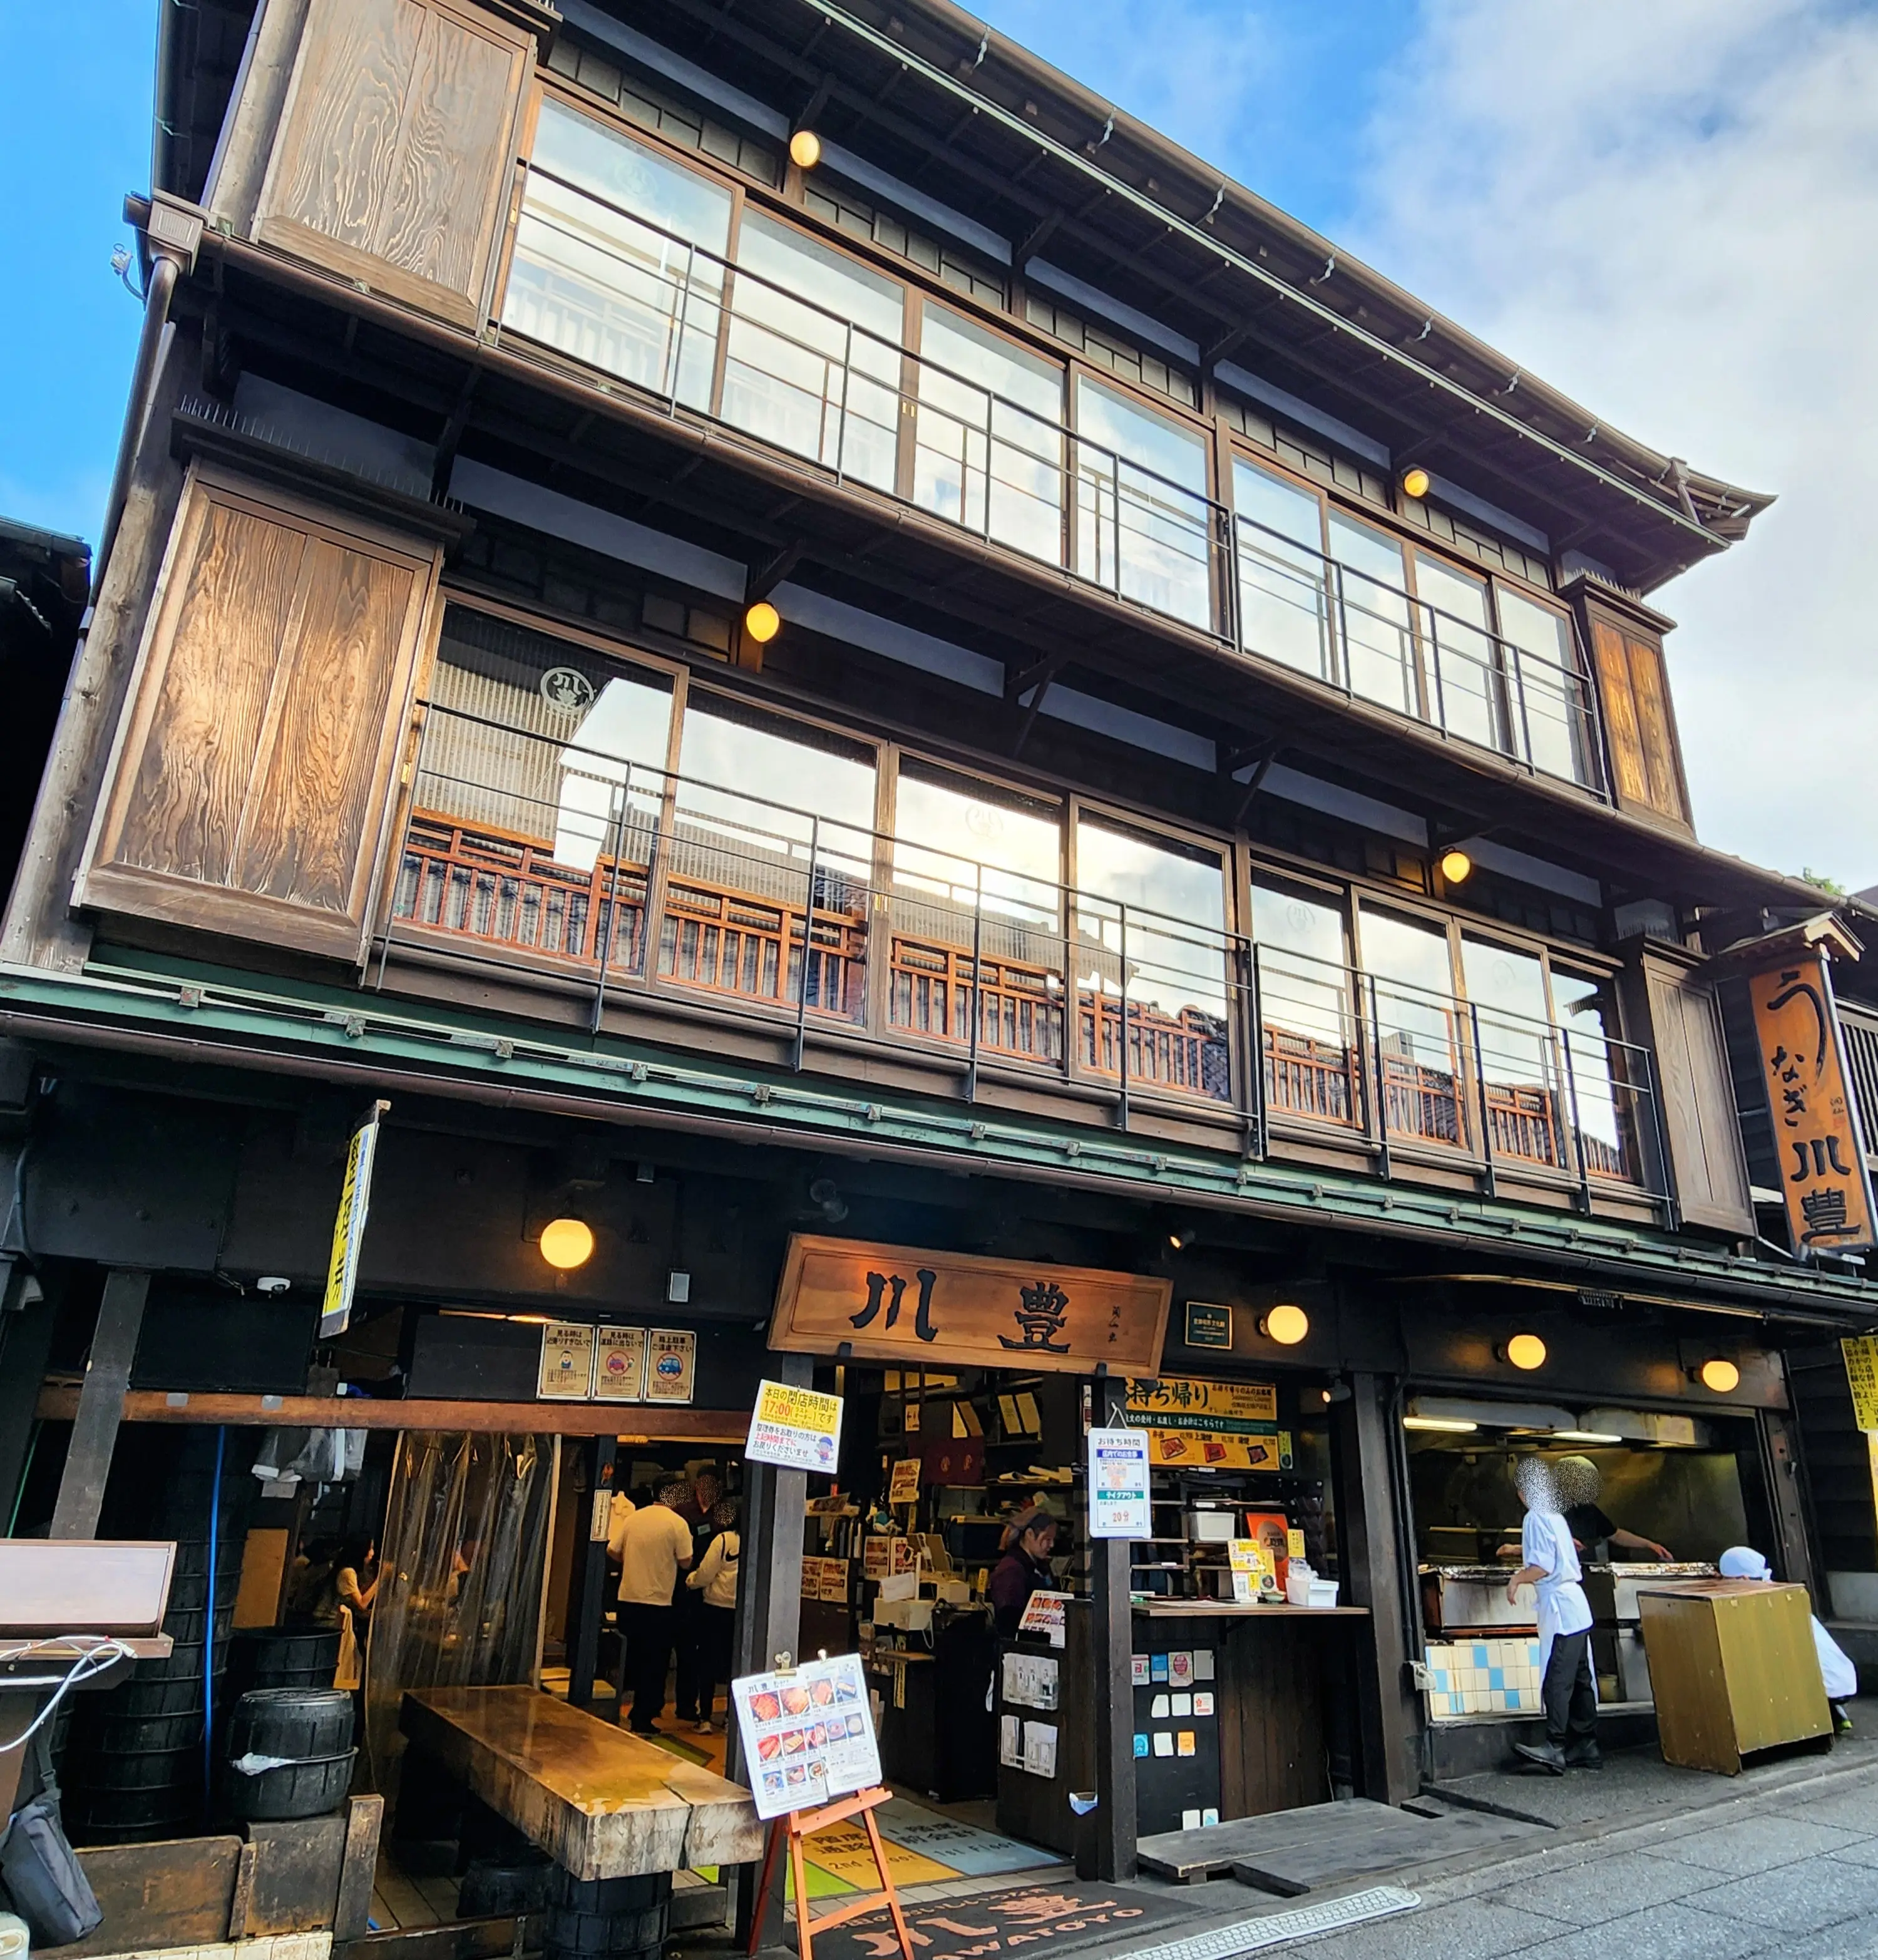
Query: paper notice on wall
(876, 1556)
(567, 1361)
(1118, 1483)
(903, 1488)
(1203, 1663)
(618, 1363)
(795, 1428)
(671, 1365)
(806, 1735)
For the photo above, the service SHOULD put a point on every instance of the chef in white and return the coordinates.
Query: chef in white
(1549, 1564)
(1838, 1673)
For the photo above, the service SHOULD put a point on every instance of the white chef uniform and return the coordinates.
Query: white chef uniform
(1546, 1544)
(1841, 1677)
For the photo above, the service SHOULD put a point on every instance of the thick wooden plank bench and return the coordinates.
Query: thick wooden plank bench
(603, 1804)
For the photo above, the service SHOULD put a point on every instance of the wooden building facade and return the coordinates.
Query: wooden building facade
(773, 622)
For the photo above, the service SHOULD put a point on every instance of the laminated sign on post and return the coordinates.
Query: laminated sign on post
(1118, 1483)
(795, 1428)
(1861, 1377)
(349, 1227)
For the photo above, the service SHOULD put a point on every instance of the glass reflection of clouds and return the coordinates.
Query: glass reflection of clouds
(1175, 923)
(965, 847)
(625, 730)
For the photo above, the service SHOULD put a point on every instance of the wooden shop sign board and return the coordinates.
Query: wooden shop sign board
(1822, 1174)
(898, 1303)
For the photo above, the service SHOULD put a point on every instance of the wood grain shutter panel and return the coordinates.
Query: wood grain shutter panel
(1639, 721)
(248, 790)
(393, 154)
(1700, 1125)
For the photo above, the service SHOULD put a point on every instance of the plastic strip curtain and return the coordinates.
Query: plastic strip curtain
(467, 1525)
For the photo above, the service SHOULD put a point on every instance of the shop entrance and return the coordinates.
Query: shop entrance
(1646, 1494)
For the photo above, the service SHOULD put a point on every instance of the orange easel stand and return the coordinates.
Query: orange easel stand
(800, 1823)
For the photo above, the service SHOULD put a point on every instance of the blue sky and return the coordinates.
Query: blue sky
(1667, 209)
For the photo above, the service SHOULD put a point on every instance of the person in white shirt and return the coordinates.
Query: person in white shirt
(653, 1546)
(1837, 1673)
(1549, 1564)
(716, 1578)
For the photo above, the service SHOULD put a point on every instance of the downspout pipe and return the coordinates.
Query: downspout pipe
(165, 269)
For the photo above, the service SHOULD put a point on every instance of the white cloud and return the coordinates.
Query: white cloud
(1670, 211)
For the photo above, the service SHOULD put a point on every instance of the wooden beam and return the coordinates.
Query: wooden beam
(98, 1406)
(640, 1422)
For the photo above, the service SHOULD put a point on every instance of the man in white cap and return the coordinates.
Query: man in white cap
(1839, 1675)
(1549, 1564)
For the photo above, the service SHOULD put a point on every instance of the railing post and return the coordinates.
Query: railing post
(1115, 492)
(1122, 1049)
(978, 922)
(605, 928)
(989, 439)
(1480, 1084)
(1434, 667)
(1380, 1090)
(684, 314)
(1256, 1141)
(841, 424)
(1340, 648)
(808, 946)
(1519, 695)
(1578, 1131)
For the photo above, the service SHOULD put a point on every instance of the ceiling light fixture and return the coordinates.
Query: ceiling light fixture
(1455, 866)
(762, 623)
(566, 1243)
(1286, 1324)
(1526, 1351)
(1584, 1436)
(1719, 1375)
(1444, 1425)
(805, 149)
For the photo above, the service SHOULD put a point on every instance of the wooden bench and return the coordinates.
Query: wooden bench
(602, 1803)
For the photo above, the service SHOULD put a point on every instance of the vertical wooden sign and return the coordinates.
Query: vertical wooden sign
(1823, 1177)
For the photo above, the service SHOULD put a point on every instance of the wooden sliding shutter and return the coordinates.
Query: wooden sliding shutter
(1625, 637)
(392, 156)
(1701, 1123)
(248, 788)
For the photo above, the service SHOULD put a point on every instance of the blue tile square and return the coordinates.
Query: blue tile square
(1496, 1677)
(1480, 1653)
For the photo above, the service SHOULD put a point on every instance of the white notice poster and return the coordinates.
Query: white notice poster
(1118, 1483)
(808, 1735)
(798, 1429)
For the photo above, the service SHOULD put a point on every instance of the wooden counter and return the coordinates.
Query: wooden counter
(603, 1803)
(1228, 1609)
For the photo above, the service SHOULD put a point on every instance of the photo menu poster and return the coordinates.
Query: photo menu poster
(808, 1735)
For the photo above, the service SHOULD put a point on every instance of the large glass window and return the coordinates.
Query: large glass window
(988, 450)
(605, 268)
(1305, 1003)
(977, 877)
(814, 362)
(771, 852)
(1520, 1066)
(1282, 609)
(1412, 974)
(535, 806)
(1143, 525)
(1602, 1092)
(1458, 648)
(1151, 958)
(1379, 646)
(1550, 718)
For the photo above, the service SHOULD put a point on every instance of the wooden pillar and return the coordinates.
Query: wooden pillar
(1112, 1692)
(769, 1619)
(1369, 1528)
(100, 1405)
(1780, 1469)
(587, 1609)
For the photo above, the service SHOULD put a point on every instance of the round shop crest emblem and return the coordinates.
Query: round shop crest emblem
(567, 689)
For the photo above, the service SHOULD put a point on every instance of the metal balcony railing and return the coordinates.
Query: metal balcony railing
(595, 281)
(633, 881)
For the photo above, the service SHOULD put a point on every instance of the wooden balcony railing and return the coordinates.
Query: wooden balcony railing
(713, 935)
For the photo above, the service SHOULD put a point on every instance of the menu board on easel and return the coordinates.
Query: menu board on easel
(807, 1734)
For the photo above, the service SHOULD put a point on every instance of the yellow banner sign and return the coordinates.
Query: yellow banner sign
(349, 1227)
(1190, 1450)
(1861, 1376)
(1816, 1126)
(1179, 1401)
(897, 1303)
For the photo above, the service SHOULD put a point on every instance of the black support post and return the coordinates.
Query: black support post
(588, 1608)
(1112, 1692)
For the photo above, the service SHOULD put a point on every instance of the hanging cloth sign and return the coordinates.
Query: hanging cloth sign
(349, 1228)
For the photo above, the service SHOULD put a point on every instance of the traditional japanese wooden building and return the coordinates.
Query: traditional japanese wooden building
(776, 626)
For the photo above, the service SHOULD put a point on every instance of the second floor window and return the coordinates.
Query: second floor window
(1144, 527)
